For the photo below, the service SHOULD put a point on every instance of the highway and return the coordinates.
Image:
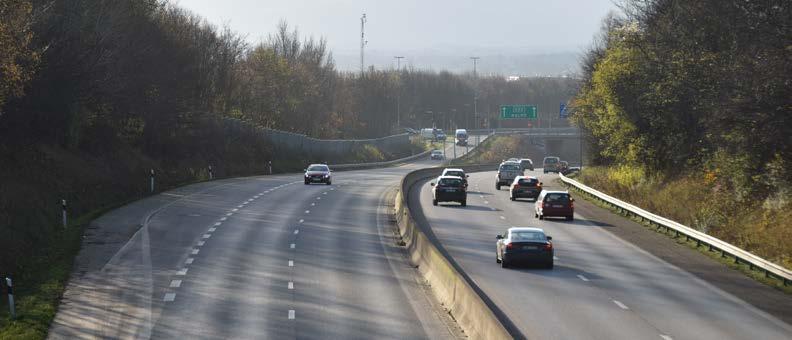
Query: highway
(602, 287)
(253, 258)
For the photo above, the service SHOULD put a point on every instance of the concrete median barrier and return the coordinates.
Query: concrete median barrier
(475, 313)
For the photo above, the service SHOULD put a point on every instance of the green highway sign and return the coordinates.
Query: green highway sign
(518, 112)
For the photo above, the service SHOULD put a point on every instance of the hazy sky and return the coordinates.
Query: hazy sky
(501, 27)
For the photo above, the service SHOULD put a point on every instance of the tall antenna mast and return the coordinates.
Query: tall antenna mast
(363, 43)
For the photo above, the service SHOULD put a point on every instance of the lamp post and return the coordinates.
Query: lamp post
(475, 93)
(398, 90)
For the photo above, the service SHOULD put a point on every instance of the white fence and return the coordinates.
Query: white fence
(770, 269)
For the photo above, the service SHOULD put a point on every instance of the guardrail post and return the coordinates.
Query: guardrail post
(63, 214)
(270, 167)
(11, 307)
(152, 180)
(211, 173)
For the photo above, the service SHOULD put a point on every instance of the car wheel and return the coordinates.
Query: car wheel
(306, 182)
(434, 202)
(328, 182)
(504, 263)
(541, 217)
(512, 198)
(549, 265)
(497, 186)
(570, 218)
(497, 259)
(536, 215)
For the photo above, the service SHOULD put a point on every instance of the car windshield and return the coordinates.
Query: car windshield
(529, 182)
(525, 162)
(527, 236)
(450, 182)
(318, 168)
(510, 167)
(437, 152)
(551, 160)
(557, 198)
(455, 173)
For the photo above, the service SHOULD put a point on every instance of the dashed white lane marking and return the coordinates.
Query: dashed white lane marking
(182, 271)
(621, 305)
(666, 337)
(291, 285)
(486, 202)
(318, 197)
(331, 189)
(241, 206)
(292, 246)
(169, 297)
(583, 278)
(175, 283)
(502, 217)
(324, 193)
(218, 224)
(313, 204)
(212, 229)
(481, 196)
(261, 194)
(223, 218)
(230, 214)
(301, 221)
(201, 243)
(195, 251)
(189, 260)
(244, 204)
(307, 211)
(291, 263)
(207, 235)
(250, 200)
(296, 231)
(291, 314)
(235, 209)
(493, 208)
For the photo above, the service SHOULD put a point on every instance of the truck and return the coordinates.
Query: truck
(461, 137)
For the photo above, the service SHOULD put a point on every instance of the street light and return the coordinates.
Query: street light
(475, 94)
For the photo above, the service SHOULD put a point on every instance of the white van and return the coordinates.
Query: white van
(461, 136)
(428, 133)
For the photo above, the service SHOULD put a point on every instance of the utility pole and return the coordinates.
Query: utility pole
(398, 90)
(475, 95)
(363, 43)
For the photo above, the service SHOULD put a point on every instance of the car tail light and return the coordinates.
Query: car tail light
(548, 247)
(516, 186)
(544, 205)
(509, 246)
(539, 187)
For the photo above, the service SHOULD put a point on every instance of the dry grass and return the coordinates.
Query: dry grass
(763, 230)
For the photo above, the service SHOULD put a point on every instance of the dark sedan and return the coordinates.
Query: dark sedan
(524, 245)
(318, 173)
(449, 189)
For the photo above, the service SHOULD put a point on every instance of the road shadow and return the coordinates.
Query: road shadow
(468, 207)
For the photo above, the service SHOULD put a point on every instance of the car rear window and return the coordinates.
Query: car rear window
(318, 168)
(557, 198)
(526, 162)
(510, 167)
(455, 173)
(529, 182)
(527, 236)
(551, 160)
(450, 182)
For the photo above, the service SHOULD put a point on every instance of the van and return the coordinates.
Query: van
(461, 137)
(551, 164)
(428, 133)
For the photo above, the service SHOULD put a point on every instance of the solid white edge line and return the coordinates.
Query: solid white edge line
(666, 337)
(169, 297)
(583, 278)
(175, 283)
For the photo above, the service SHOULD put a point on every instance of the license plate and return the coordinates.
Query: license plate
(530, 247)
(450, 190)
(316, 179)
(558, 206)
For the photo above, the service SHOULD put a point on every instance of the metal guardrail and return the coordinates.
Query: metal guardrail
(740, 256)
(378, 164)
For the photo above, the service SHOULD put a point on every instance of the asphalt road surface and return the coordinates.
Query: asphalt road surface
(253, 258)
(602, 287)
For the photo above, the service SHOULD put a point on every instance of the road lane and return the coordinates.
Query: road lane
(251, 258)
(626, 292)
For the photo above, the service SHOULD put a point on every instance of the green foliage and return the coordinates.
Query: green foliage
(17, 58)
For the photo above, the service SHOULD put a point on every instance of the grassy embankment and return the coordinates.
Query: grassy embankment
(39, 253)
(762, 228)
(499, 147)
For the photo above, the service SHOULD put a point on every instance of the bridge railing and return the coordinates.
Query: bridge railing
(726, 249)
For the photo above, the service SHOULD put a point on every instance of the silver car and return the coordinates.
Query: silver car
(507, 171)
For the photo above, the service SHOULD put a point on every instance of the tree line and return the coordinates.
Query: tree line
(694, 87)
(95, 73)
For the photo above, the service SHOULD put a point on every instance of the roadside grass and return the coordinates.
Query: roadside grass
(38, 291)
(726, 260)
